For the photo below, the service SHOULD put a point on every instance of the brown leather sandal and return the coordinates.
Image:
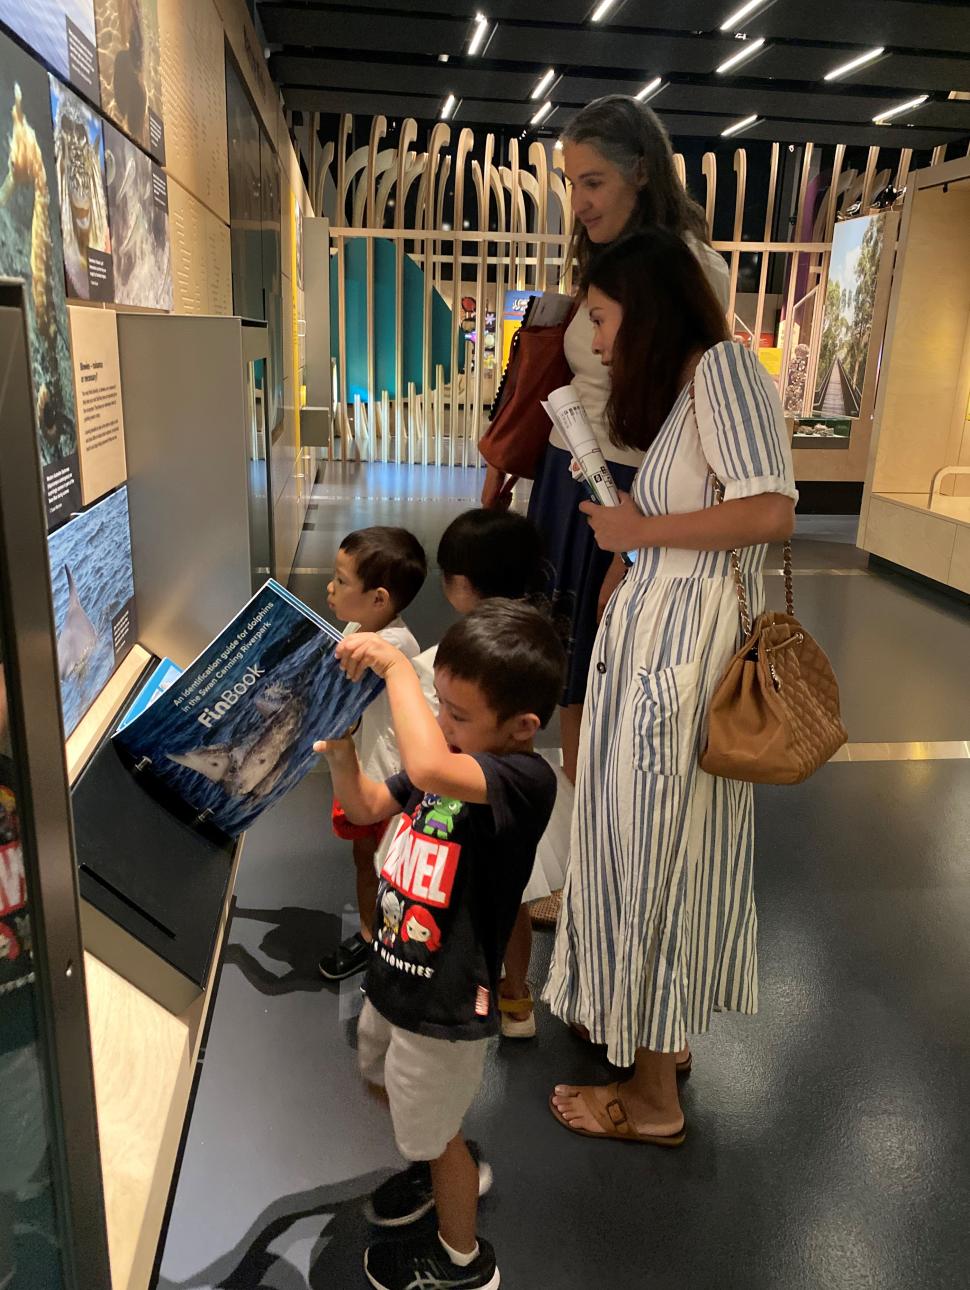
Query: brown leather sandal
(615, 1122)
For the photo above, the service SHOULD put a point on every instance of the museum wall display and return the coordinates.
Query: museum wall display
(62, 34)
(83, 193)
(94, 601)
(129, 64)
(30, 248)
(100, 412)
(194, 95)
(850, 299)
(138, 209)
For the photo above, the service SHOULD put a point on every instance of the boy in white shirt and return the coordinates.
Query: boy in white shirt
(377, 574)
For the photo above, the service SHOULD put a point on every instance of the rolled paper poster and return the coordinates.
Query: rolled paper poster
(589, 466)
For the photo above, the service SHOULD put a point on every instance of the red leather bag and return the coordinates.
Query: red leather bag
(519, 429)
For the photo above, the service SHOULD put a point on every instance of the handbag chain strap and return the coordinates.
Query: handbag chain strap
(742, 590)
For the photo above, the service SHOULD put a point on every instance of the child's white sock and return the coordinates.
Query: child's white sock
(462, 1260)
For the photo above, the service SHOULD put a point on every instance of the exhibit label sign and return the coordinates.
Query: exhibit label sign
(97, 385)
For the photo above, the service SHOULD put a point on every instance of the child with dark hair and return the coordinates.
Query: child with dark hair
(482, 554)
(377, 574)
(485, 553)
(476, 799)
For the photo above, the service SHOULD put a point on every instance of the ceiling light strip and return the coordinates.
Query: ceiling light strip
(897, 111)
(602, 9)
(481, 30)
(748, 52)
(543, 112)
(731, 24)
(739, 125)
(650, 90)
(855, 63)
(544, 84)
(449, 107)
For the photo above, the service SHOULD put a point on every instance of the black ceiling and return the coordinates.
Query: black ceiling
(377, 56)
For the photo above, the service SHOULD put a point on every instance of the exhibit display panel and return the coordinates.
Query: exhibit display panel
(916, 507)
(62, 33)
(30, 248)
(94, 601)
(138, 211)
(199, 463)
(79, 149)
(52, 1224)
(129, 63)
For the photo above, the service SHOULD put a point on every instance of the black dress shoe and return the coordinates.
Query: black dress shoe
(350, 957)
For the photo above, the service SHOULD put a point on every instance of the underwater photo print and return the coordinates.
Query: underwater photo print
(138, 212)
(61, 32)
(236, 730)
(94, 605)
(130, 64)
(30, 248)
(79, 152)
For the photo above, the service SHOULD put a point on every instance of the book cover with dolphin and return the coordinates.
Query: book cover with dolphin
(94, 601)
(235, 732)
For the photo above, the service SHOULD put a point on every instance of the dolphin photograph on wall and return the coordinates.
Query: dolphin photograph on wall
(235, 732)
(94, 601)
(30, 249)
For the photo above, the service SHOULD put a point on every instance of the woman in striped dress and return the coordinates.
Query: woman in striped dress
(658, 926)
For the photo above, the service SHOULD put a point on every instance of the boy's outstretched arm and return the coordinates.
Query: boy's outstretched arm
(429, 762)
(364, 800)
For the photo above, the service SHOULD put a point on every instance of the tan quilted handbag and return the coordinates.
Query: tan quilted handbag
(774, 717)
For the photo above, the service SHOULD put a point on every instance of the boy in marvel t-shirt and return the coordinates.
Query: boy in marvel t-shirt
(476, 800)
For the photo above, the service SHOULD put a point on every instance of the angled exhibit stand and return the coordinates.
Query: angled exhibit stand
(916, 506)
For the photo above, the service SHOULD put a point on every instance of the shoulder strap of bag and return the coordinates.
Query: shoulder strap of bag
(513, 350)
(736, 553)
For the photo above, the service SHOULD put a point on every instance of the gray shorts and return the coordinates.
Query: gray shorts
(430, 1083)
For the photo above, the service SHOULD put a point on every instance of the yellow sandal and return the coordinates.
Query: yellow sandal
(512, 1027)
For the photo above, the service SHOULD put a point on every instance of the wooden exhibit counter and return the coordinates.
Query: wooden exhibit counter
(916, 505)
(144, 1053)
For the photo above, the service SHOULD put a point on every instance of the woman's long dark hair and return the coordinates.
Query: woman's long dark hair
(631, 137)
(670, 313)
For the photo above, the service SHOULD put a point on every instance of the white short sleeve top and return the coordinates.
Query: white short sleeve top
(375, 739)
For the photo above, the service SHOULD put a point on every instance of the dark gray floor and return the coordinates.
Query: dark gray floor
(827, 1137)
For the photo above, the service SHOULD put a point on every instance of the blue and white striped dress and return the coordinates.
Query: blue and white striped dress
(658, 925)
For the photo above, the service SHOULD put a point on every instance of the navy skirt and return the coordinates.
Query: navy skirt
(578, 566)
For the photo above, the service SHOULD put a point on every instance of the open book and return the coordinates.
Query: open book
(234, 732)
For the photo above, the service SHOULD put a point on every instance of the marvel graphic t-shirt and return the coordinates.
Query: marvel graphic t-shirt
(450, 888)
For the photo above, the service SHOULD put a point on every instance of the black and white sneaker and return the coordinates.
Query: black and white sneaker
(407, 1196)
(425, 1264)
(350, 956)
